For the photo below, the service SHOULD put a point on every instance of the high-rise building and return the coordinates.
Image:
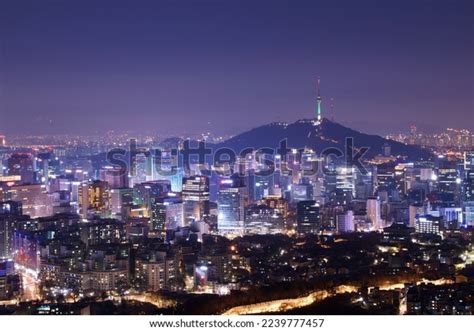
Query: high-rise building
(232, 198)
(144, 193)
(307, 217)
(469, 160)
(448, 181)
(116, 177)
(345, 222)
(345, 179)
(413, 211)
(260, 186)
(468, 185)
(155, 273)
(428, 224)
(373, 212)
(195, 195)
(452, 217)
(121, 202)
(166, 213)
(3, 141)
(94, 199)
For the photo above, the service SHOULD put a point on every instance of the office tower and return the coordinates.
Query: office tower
(345, 222)
(386, 177)
(116, 177)
(401, 178)
(345, 179)
(307, 217)
(259, 186)
(373, 212)
(23, 165)
(94, 199)
(448, 178)
(195, 195)
(365, 183)
(291, 166)
(3, 141)
(428, 224)
(329, 179)
(232, 198)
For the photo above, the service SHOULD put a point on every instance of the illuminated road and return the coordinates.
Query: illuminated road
(29, 283)
(30, 287)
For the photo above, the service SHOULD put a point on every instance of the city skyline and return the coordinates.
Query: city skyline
(199, 160)
(84, 68)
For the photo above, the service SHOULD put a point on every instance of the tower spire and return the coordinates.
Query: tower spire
(318, 100)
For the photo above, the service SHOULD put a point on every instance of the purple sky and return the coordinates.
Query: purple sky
(188, 66)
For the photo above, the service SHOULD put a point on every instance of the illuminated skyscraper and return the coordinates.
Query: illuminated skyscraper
(428, 224)
(345, 179)
(195, 196)
(345, 222)
(94, 198)
(469, 160)
(166, 213)
(308, 217)
(121, 202)
(116, 177)
(231, 200)
(373, 212)
(144, 193)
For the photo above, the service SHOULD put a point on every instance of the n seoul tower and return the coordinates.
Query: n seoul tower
(318, 100)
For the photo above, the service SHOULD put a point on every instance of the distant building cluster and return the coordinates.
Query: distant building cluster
(450, 139)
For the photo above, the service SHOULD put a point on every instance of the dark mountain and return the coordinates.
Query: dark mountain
(305, 133)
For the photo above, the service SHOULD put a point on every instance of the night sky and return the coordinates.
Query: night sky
(189, 66)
